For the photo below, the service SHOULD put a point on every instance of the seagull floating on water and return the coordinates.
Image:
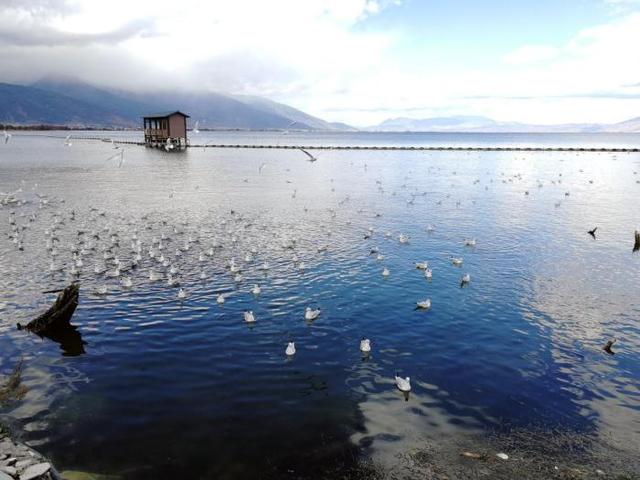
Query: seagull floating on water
(365, 345)
(310, 314)
(291, 349)
(422, 265)
(424, 304)
(101, 290)
(403, 384)
(256, 290)
(248, 317)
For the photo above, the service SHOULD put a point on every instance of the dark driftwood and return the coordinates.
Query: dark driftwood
(636, 246)
(58, 316)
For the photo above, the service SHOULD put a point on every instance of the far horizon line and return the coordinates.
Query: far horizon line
(53, 128)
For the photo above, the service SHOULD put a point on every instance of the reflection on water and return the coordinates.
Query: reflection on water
(70, 340)
(169, 386)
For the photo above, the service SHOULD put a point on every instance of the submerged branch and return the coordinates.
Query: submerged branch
(12, 389)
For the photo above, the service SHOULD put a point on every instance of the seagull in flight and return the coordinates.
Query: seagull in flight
(195, 127)
(67, 141)
(286, 129)
(116, 155)
(311, 157)
(7, 137)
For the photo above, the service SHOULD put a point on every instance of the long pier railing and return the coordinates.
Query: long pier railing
(428, 148)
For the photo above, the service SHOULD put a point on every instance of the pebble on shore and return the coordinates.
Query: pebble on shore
(19, 462)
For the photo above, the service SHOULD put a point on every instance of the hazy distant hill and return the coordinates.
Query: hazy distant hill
(73, 103)
(483, 124)
(454, 123)
(29, 105)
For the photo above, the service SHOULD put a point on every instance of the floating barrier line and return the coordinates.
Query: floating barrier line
(393, 147)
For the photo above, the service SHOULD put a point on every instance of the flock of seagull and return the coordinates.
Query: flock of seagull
(150, 249)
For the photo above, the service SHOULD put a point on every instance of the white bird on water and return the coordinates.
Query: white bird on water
(403, 384)
(470, 242)
(67, 141)
(248, 317)
(457, 261)
(365, 345)
(428, 274)
(422, 265)
(7, 137)
(424, 304)
(220, 299)
(182, 294)
(385, 272)
(466, 278)
(256, 290)
(291, 349)
(310, 314)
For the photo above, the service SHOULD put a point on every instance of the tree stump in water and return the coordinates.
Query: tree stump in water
(58, 315)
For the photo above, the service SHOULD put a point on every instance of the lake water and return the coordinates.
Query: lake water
(160, 387)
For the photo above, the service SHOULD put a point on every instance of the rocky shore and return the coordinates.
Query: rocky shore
(19, 462)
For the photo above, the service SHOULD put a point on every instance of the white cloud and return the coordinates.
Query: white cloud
(312, 55)
(531, 54)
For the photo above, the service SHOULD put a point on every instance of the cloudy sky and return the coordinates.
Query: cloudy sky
(357, 61)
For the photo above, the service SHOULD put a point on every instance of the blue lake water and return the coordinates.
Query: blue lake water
(162, 387)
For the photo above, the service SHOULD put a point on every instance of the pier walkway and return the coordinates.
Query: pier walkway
(397, 147)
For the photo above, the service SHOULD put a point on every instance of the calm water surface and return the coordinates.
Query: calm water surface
(158, 387)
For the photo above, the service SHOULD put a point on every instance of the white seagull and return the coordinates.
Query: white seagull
(403, 384)
(291, 349)
(424, 304)
(310, 314)
(311, 157)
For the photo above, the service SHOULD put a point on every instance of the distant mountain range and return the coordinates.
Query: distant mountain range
(483, 124)
(72, 103)
(75, 104)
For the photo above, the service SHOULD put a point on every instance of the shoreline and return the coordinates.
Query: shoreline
(21, 462)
